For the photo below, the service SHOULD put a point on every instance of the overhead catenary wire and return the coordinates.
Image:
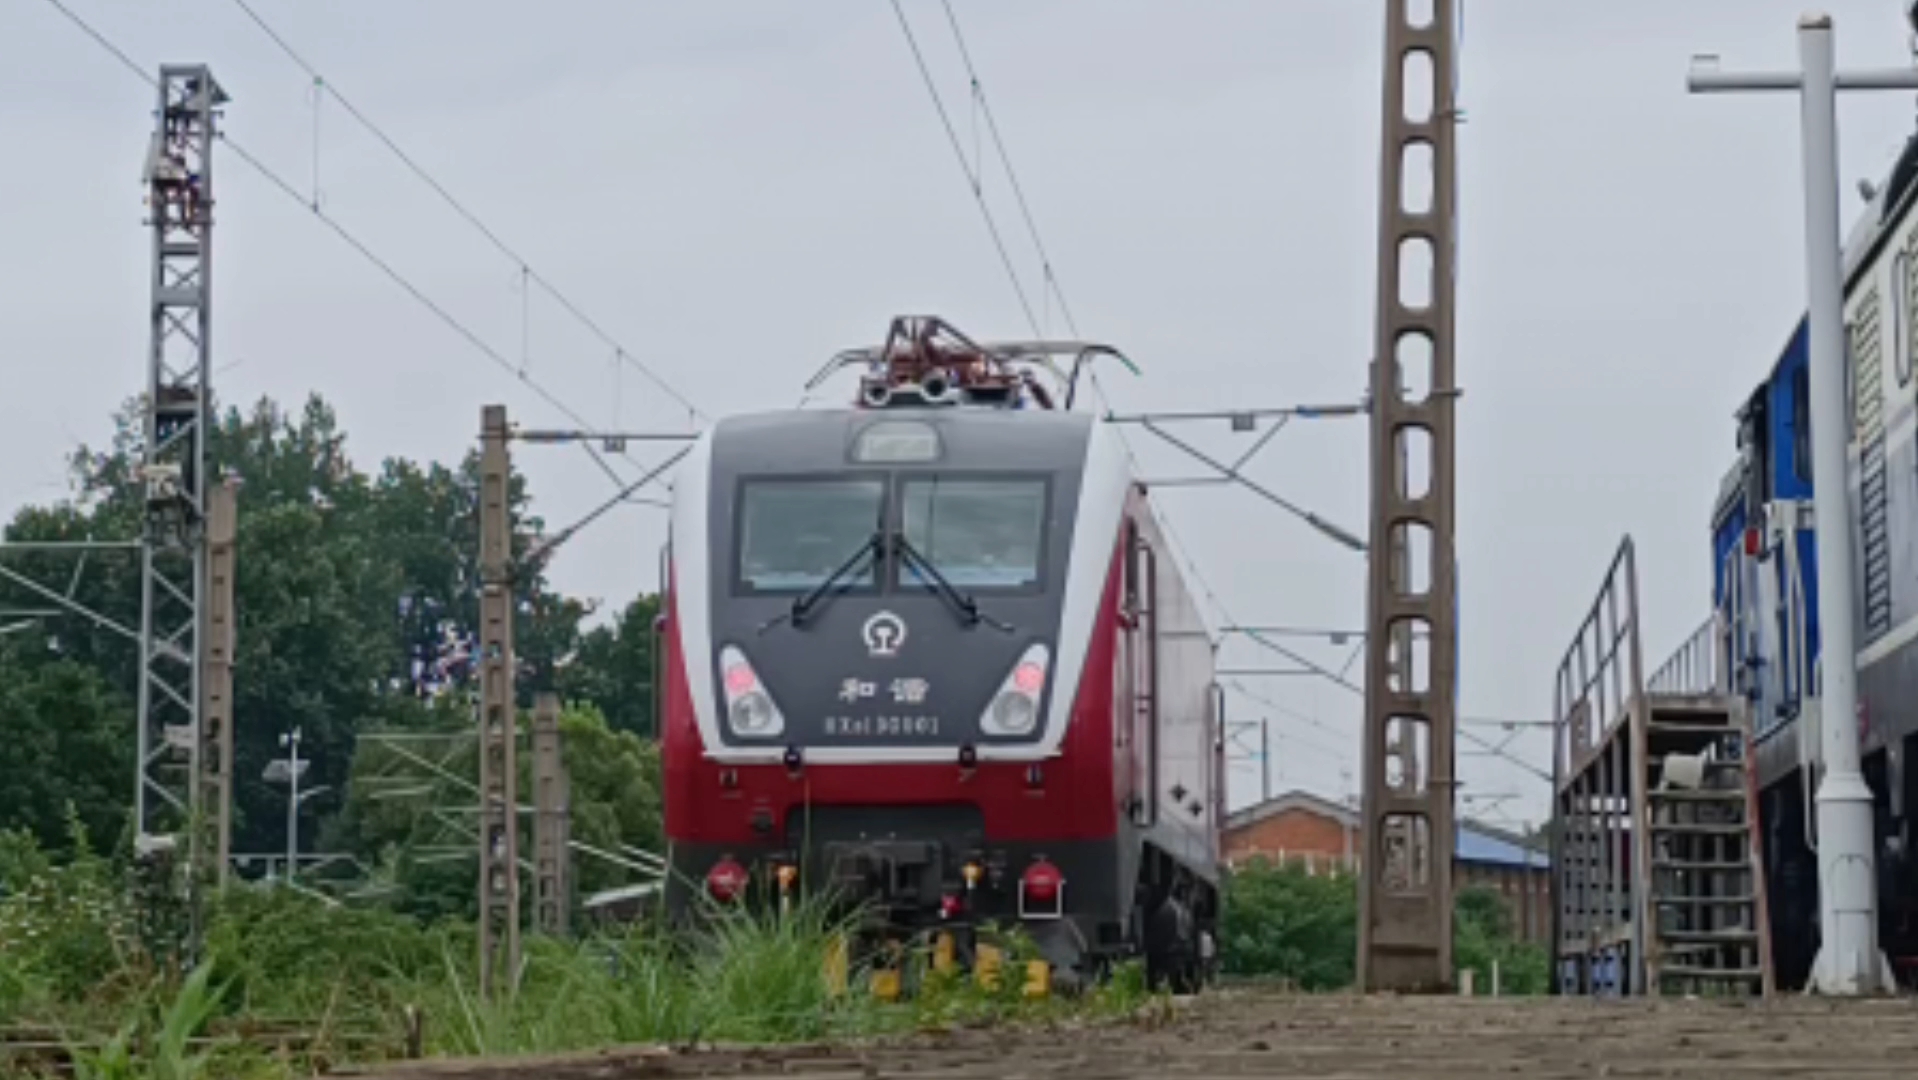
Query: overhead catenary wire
(528, 271)
(452, 321)
(1057, 291)
(286, 188)
(1180, 549)
(972, 174)
(1051, 283)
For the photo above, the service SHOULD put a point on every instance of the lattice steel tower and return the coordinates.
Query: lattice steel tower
(1405, 922)
(179, 780)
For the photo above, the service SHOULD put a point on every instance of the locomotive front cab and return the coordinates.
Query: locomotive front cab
(874, 664)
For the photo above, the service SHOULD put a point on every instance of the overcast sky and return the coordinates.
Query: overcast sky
(735, 189)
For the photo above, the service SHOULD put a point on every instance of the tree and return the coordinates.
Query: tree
(1280, 922)
(326, 555)
(613, 669)
(1482, 936)
(63, 712)
(413, 817)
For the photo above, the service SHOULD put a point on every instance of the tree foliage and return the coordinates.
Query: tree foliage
(349, 582)
(1283, 923)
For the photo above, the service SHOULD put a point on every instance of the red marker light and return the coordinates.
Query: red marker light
(1042, 881)
(1028, 677)
(739, 679)
(726, 880)
(1754, 542)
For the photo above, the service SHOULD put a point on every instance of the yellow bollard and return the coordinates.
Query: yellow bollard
(1038, 979)
(835, 965)
(885, 984)
(985, 968)
(942, 953)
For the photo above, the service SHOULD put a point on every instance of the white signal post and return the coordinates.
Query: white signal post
(1849, 959)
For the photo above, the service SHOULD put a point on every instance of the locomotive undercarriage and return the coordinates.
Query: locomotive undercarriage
(1791, 867)
(950, 900)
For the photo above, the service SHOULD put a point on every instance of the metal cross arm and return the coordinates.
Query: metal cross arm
(1233, 473)
(544, 550)
(68, 603)
(1705, 79)
(614, 441)
(1243, 419)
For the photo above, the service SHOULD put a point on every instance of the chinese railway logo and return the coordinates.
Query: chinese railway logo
(884, 633)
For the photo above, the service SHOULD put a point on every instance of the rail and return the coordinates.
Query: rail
(1694, 667)
(317, 1045)
(1602, 672)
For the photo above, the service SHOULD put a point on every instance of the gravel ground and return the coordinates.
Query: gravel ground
(1249, 1033)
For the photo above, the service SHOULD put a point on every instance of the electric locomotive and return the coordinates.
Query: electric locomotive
(929, 655)
(1765, 590)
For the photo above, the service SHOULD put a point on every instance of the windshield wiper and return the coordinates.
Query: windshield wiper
(802, 606)
(962, 605)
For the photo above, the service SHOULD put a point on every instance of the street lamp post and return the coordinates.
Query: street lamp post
(288, 770)
(1849, 961)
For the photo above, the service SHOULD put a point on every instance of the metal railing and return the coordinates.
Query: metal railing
(1695, 667)
(1603, 670)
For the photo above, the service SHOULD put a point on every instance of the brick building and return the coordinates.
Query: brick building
(1298, 827)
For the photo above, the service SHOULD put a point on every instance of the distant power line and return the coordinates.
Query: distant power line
(326, 86)
(286, 188)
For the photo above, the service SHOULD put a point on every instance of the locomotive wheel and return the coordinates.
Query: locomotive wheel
(1172, 958)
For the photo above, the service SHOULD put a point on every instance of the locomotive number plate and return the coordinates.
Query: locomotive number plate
(865, 727)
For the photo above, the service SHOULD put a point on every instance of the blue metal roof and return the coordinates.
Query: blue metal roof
(1483, 847)
(1473, 842)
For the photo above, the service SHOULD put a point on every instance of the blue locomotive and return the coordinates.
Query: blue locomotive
(1765, 588)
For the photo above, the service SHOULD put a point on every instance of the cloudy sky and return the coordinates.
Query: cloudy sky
(734, 189)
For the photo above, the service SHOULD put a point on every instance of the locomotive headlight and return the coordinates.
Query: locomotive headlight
(753, 715)
(1015, 708)
(750, 711)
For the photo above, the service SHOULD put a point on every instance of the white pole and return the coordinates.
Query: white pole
(1849, 961)
(1848, 955)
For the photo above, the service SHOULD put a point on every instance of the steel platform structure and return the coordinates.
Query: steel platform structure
(1657, 885)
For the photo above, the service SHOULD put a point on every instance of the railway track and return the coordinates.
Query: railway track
(311, 1045)
(1263, 1034)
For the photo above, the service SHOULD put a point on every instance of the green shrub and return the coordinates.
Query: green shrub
(1280, 922)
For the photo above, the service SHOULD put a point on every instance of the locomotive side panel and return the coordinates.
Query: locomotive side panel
(1882, 481)
(1180, 815)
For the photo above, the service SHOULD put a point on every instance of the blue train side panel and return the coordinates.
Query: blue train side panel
(1765, 585)
(1769, 600)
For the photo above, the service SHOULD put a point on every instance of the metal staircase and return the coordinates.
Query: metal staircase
(1657, 887)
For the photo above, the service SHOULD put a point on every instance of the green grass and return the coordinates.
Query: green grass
(278, 959)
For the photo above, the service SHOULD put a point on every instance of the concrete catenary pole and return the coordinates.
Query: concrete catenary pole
(1849, 960)
(215, 773)
(1405, 891)
(551, 833)
(498, 764)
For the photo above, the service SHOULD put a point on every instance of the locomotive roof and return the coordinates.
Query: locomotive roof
(979, 437)
(1868, 235)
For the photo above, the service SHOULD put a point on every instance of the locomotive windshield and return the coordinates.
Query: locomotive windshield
(795, 532)
(980, 534)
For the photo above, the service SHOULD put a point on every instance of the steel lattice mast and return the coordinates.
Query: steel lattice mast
(175, 771)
